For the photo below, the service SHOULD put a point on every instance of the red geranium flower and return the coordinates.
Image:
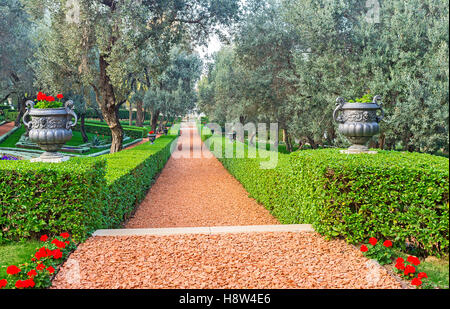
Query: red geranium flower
(58, 243)
(32, 273)
(29, 283)
(422, 275)
(41, 96)
(400, 266)
(387, 243)
(151, 132)
(400, 260)
(50, 98)
(44, 238)
(50, 269)
(3, 283)
(364, 248)
(12, 270)
(40, 267)
(373, 241)
(60, 96)
(409, 270)
(57, 254)
(416, 282)
(64, 235)
(413, 260)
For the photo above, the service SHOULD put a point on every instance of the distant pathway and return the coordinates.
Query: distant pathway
(200, 192)
(197, 191)
(5, 128)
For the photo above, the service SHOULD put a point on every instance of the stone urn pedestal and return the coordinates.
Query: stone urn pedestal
(50, 128)
(359, 122)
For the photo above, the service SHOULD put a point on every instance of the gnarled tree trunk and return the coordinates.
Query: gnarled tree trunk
(154, 120)
(110, 110)
(139, 114)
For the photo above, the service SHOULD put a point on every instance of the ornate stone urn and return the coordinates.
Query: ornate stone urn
(358, 122)
(50, 128)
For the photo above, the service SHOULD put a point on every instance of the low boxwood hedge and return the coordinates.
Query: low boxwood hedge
(77, 196)
(103, 129)
(391, 195)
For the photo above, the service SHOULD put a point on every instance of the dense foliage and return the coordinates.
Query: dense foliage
(291, 59)
(392, 195)
(79, 195)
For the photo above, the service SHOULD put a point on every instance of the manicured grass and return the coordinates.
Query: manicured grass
(15, 254)
(13, 138)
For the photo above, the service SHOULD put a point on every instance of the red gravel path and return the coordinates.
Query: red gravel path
(5, 128)
(197, 192)
(253, 260)
(200, 192)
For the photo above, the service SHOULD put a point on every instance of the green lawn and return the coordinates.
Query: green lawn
(15, 254)
(76, 140)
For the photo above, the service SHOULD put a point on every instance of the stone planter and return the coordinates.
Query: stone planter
(152, 138)
(358, 122)
(50, 128)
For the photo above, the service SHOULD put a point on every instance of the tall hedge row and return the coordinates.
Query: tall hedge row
(391, 195)
(77, 196)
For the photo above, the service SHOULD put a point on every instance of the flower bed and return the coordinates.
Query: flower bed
(39, 271)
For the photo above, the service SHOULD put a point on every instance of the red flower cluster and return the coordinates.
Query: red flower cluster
(151, 132)
(3, 283)
(43, 97)
(408, 270)
(12, 270)
(42, 265)
(23, 284)
(364, 248)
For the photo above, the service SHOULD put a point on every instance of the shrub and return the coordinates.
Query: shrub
(78, 196)
(390, 195)
(11, 115)
(103, 129)
(37, 197)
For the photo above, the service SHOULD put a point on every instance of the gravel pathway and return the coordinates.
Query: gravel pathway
(197, 191)
(6, 127)
(253, 260)
(200, 192)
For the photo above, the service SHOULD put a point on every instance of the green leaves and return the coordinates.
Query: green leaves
(78, 196)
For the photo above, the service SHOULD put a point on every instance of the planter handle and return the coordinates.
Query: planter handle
(339, 103)
(30, 105)
(376, 100)
(69, 109)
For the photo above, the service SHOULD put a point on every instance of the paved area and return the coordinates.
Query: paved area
(6, 127)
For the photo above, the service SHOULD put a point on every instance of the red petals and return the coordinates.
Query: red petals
(58, 243)
(50, 269)
(65, 235)
(3, 283)
(409, 270)
(364, 248)
(387, 243)
(413, 260)
(60, 96)
(422, 275)
(40, 267)
(23, 284)
(32, 273)
(44, 238)
(12, 270)
(373, 241)
(416, 282)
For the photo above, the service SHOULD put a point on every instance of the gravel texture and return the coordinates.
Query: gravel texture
(194, 190)
(244, 261)
(6, 127)
(200, 192)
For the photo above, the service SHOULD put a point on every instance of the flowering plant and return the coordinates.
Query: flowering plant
(377, 250)
(151, 132)
(8, 157)
(45, 101)
(38, 272)
(409, 270)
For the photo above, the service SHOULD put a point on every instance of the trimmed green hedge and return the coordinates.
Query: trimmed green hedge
(77, 196)
(103, 129)
(391, 195)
